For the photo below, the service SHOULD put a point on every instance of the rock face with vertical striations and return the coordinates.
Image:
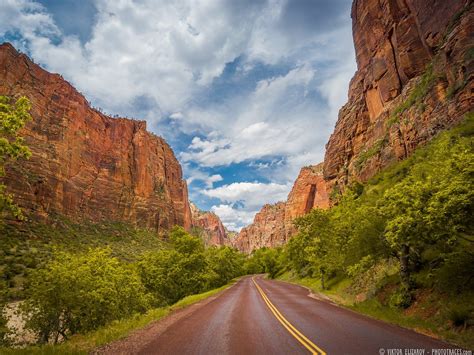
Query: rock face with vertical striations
(273, 225)
(414, 79)
(87, 165)
(213, 231)
(415, 62)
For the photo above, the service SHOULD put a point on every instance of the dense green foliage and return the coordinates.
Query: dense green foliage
(13, 118)
(264, 260)
(29, 246)
(171, 274)
(79, 292)
(224, 264)
(419, 211)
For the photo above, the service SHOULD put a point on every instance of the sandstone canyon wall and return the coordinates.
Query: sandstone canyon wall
(414, 78)
(273, 225)
(213, 231)
(87, 165)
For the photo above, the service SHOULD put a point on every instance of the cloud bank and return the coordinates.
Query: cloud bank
(245, 91)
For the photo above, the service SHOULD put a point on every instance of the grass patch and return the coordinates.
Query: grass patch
(416, 95)
(369, 153)
(375, 309)
(83, 344)
(455, 88)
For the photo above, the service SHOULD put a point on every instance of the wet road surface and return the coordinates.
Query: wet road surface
(260, 316)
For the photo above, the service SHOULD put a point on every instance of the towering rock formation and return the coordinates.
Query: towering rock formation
(308, 192)
(414, 78)
(87, 165)
(415, 62)
(273, 225)
(213, 231)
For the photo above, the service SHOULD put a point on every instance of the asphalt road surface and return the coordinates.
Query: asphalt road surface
(260, 316)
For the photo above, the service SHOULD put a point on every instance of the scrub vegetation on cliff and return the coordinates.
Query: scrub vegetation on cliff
(403, 241)
(13, 117)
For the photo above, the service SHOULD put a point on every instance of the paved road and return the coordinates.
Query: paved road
(259, 316)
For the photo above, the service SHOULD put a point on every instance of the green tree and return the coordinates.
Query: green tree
(433, 204)
(224, 263)
(79, 293)
(171, 274)
(13, 118)
(405, 206)
(296, 252)
(265, 260)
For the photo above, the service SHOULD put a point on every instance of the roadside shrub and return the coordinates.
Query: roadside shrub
(402, 298)
(79, 293)
(455, 274)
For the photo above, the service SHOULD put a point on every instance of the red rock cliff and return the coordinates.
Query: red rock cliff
(85, 164)
(414, 78)
(273, 225)
(213, 231)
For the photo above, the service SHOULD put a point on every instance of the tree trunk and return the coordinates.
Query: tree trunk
(405, 265)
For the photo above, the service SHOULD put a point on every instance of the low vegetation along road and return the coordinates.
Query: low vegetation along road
(260, 316)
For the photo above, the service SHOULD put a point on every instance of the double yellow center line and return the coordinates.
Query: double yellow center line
(308, 344)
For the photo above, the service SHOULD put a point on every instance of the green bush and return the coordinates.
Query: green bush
(79, 293)
(402, 298)
(455, 274)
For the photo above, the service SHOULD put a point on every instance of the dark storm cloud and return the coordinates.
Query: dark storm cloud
(73, 17)
(304, 17)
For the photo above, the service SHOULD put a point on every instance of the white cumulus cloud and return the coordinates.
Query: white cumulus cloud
(159, 60)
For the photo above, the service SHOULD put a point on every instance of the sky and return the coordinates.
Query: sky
(245, 91)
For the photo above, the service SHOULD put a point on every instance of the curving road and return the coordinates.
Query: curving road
(260, 316)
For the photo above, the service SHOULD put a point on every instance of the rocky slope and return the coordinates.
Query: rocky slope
(273, 225)
(86, 165)
(414, 78)
(212, 230)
